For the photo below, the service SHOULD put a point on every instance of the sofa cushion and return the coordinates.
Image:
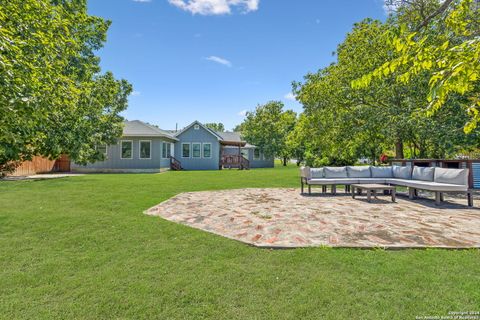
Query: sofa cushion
(398, 182)
(305, 172)
(453, 176)
(423, 173)
(435, 186)
(382, 172)
(316, 173)
(372, 180)
(427, 185)
(402, 172)
(327, 181)
(358, 171)
(335, 172)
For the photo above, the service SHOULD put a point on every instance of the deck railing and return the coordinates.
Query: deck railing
(175, 164)
(234, 161)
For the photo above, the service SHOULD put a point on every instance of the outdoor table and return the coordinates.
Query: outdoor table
(372, 189)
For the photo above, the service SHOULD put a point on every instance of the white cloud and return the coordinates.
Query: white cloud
(243, 113)
(290, 96)
(215, 7)
(135, 93)
(142, 1)
(389, 7)
(219, 60)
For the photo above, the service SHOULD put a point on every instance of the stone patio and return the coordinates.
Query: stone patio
(283, 218)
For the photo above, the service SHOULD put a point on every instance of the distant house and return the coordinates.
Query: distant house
(146, 148)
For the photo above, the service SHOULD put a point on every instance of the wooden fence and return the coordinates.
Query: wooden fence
(43, 165)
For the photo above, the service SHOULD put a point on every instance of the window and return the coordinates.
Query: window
(145, 149)
(207, 150)
(196, 147)
(196, 127)
(256, 154)
(102, 148)
(185, 150)
(126, 149)
(166, 150)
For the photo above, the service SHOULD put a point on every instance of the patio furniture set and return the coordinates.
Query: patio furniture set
(385, 178)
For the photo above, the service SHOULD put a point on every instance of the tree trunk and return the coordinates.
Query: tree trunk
(399, 149)
(284, 161)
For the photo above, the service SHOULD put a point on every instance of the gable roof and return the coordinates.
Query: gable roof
(137, 128)
(201, 125)
(230, 136)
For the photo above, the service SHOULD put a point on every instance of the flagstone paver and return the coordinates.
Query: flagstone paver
(284, 218)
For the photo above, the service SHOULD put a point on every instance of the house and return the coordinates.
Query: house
(146, 148)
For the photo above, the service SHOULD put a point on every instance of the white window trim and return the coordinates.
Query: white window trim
(203, 150)
(131, 153)
(140, 149)
(259, 154)
(200, 156)
(171, 149)
(189, 150)
(196, 127)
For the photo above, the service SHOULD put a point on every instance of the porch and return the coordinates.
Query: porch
(229, 160)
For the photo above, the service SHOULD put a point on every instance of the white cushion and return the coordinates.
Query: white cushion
(427, 185)
(327, 181)
(358, 171)
(402, 172)
(423, 173)
(335, 172)
(316, 173)
(382, 172)
(435, 186)
(453, 176)
(373, 180)
(398, 182)
(305, 172)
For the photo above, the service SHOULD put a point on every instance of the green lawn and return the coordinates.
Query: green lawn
(82, 248)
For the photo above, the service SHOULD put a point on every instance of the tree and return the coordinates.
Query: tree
(446, 44)
(345, 122)
(268, 127)
(53, 98)
(237, 128)
(215, 126)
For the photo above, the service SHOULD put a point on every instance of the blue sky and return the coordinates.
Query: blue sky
(211, 60)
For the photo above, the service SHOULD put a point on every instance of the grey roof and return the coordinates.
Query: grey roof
(137, 128)
(200, 124)
(230, 136)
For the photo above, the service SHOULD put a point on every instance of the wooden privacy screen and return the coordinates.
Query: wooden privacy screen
(43, 165)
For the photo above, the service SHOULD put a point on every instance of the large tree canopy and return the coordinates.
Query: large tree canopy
(445, 43)
(342, 123)
(53, 98)
(268, 127)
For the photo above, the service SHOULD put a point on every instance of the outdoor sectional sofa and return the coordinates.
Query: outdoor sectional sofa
(435, 179)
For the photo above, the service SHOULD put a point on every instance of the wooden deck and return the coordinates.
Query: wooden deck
(234, 161)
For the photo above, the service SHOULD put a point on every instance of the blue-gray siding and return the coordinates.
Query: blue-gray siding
(200, 135)
(114, 161)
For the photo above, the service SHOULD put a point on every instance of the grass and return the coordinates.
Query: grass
(81, 248)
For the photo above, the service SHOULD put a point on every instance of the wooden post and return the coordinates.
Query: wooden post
(469, 198)
(411, 193)
(437, 198)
